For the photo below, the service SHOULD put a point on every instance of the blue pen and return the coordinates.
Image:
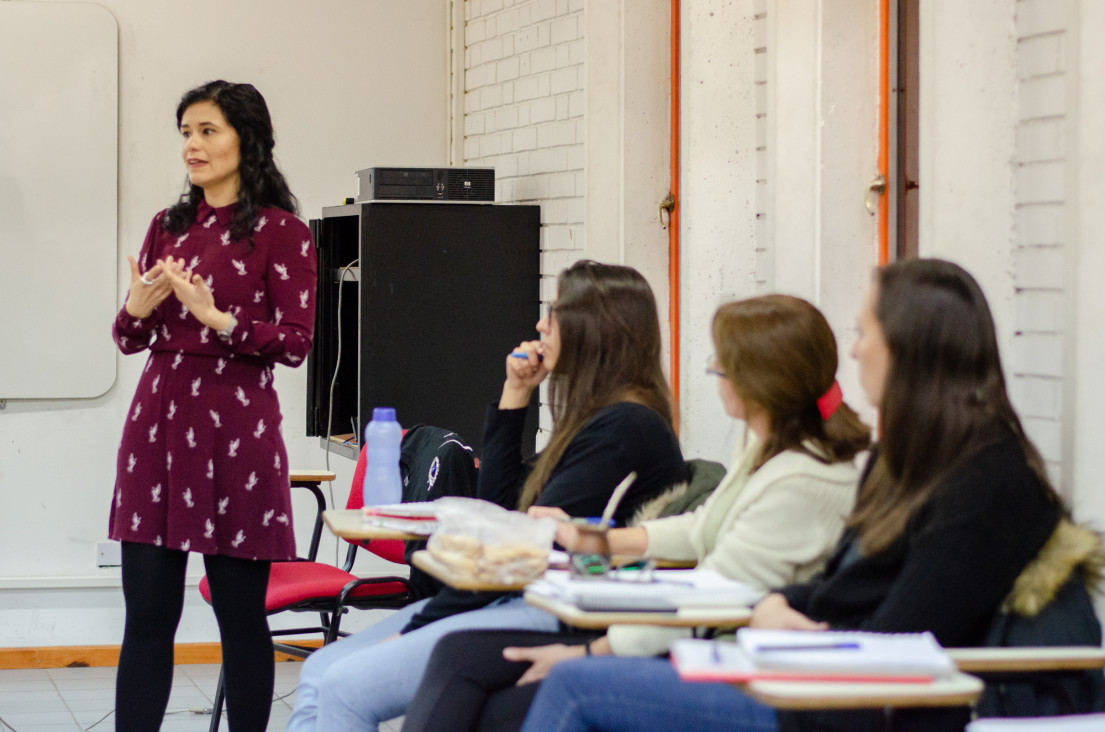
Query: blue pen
(523, 354)
(811, 647)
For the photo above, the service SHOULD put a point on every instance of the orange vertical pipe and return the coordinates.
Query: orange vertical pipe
(673, 218)
(884, 130)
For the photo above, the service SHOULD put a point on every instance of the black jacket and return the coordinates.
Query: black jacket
(619, 438)
(948, 573)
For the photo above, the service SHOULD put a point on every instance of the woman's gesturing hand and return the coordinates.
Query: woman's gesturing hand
(543, 659)
(147, 291)
(193, 293)
(775, 613)
(524, 371)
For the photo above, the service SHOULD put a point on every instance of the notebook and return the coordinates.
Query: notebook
(814, 656)
(668, 591)
(417, 517)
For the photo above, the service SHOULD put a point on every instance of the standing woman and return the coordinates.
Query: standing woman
(954, 505)
(223, 289)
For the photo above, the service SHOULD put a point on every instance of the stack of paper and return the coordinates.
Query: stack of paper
(814, 656)
(667, 591)
(1073, 723)
(413, 518)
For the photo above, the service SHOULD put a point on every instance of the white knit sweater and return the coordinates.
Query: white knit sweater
(780, 529)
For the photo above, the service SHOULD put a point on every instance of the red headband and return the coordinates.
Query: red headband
(830, 400)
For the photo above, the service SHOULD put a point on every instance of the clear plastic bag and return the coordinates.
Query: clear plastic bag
(490, 544)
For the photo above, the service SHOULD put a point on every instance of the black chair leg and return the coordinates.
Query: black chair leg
(217, 707)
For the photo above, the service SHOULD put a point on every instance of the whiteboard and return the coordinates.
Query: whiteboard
(59, 140)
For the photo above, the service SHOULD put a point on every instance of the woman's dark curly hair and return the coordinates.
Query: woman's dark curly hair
(262, 184)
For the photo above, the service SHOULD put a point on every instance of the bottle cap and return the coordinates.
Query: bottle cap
(383, 414)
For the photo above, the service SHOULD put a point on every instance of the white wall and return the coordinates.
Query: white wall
(350, 84)
(524, 113)
(968, 114)
(778, 144)
(627, 140)
(718, 171)
(1042, 242)
(1086, 416)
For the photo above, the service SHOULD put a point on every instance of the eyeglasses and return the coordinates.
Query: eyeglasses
(711, 366)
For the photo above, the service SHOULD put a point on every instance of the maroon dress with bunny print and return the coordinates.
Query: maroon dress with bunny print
(202, 465)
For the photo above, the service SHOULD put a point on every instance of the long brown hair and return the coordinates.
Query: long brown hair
(609, 352)
(780, 355)
(944, 397)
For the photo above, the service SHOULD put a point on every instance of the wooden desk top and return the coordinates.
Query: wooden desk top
(1027, 660)
(689, 618)
(311, 476)
(349, 524)
(429, 564)
(956, 691)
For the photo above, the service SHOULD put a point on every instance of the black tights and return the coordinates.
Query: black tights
(153, 587)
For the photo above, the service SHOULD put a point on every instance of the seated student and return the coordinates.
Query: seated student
(772, 521)
(600, 349)
(954, 504)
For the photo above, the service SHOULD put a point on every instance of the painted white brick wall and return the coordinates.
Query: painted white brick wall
(1036, 359)
(524, 107)
(765, 226)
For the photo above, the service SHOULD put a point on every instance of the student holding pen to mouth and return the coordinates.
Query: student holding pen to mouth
(773, 519)
(612, 415)
(954, 504)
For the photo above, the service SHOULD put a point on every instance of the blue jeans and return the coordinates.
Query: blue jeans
(361, 681)
(639, 695)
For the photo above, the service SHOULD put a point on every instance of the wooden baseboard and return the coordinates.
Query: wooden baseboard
(84, 656)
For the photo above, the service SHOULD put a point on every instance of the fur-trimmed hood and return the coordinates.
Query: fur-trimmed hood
(1072, 547)
(703, 477)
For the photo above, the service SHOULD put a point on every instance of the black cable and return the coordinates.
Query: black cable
(333, 382)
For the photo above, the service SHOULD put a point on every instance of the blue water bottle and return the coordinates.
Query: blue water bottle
(382, 482)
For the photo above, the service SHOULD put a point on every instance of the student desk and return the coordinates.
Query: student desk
(690, 618)
(349, 524)
(958, 690)
(955, 691)
(1030, 659)
(310, 479)
(573, 616)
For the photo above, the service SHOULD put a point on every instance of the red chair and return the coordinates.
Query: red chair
(307, 585)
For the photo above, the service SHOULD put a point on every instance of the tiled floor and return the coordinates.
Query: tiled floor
(76, 699)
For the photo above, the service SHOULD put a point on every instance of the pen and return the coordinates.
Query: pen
(811, 647)
(523, 354)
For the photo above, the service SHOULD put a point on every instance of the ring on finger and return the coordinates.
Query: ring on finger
(146, 281)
